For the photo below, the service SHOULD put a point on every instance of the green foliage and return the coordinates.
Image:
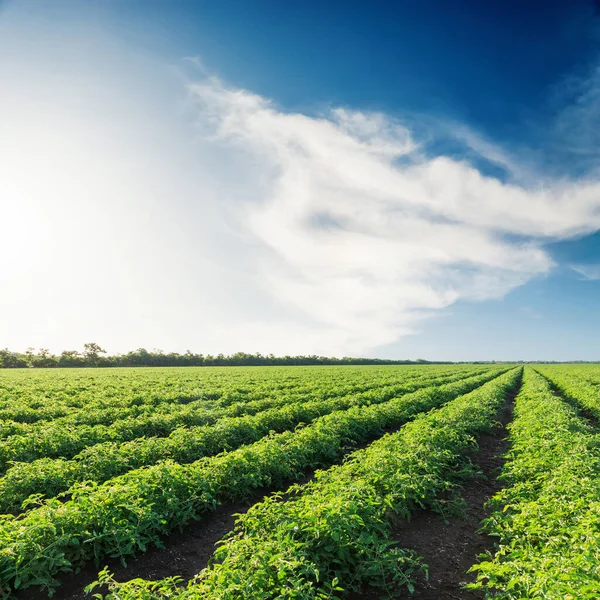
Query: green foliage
(132, 455)
(333, 534)
(578, 384)
(547, 518)
(102, 461)
(128, 513)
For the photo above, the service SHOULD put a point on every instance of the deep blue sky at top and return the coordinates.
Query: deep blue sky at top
(491, 64)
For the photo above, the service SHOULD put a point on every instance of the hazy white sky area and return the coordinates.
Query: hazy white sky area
(145, 203)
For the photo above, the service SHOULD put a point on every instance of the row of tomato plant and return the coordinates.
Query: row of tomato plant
(585, 372)
(128, 513)
(579, 389)
(333, 535)
(49, 477)
(55, 439)
(546, 519)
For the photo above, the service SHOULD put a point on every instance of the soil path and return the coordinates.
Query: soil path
(451, 548)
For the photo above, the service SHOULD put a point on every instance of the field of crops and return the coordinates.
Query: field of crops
(349, 481)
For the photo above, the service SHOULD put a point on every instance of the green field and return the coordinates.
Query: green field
(102, 465)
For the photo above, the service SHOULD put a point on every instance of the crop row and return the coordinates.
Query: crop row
(577, 389)
(546, 518)
(585, 372)
(103, 461)
(333, 534)
(128, 513)
(53, 440)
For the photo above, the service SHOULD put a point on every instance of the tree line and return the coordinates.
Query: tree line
(94, 356)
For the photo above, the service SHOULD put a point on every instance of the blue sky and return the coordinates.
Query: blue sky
(395, 179)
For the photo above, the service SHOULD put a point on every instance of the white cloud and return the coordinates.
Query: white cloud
(577, 126)
(366, 234)
(588, 272)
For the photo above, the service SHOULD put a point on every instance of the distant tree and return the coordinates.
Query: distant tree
(92, 352)
(12, 360)
(92, 357)
(70, 358)
(44, 359)
(140, 357)
(30, 356)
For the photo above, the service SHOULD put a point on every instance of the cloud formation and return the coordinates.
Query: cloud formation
(577, 126)
(367, 234)
(587, 272)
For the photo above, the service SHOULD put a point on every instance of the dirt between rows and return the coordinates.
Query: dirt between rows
(449, 549)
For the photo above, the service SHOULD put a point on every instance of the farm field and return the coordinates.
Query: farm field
(301, 482)
(249, 249)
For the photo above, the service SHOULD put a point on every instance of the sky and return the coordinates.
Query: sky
(388, 179)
